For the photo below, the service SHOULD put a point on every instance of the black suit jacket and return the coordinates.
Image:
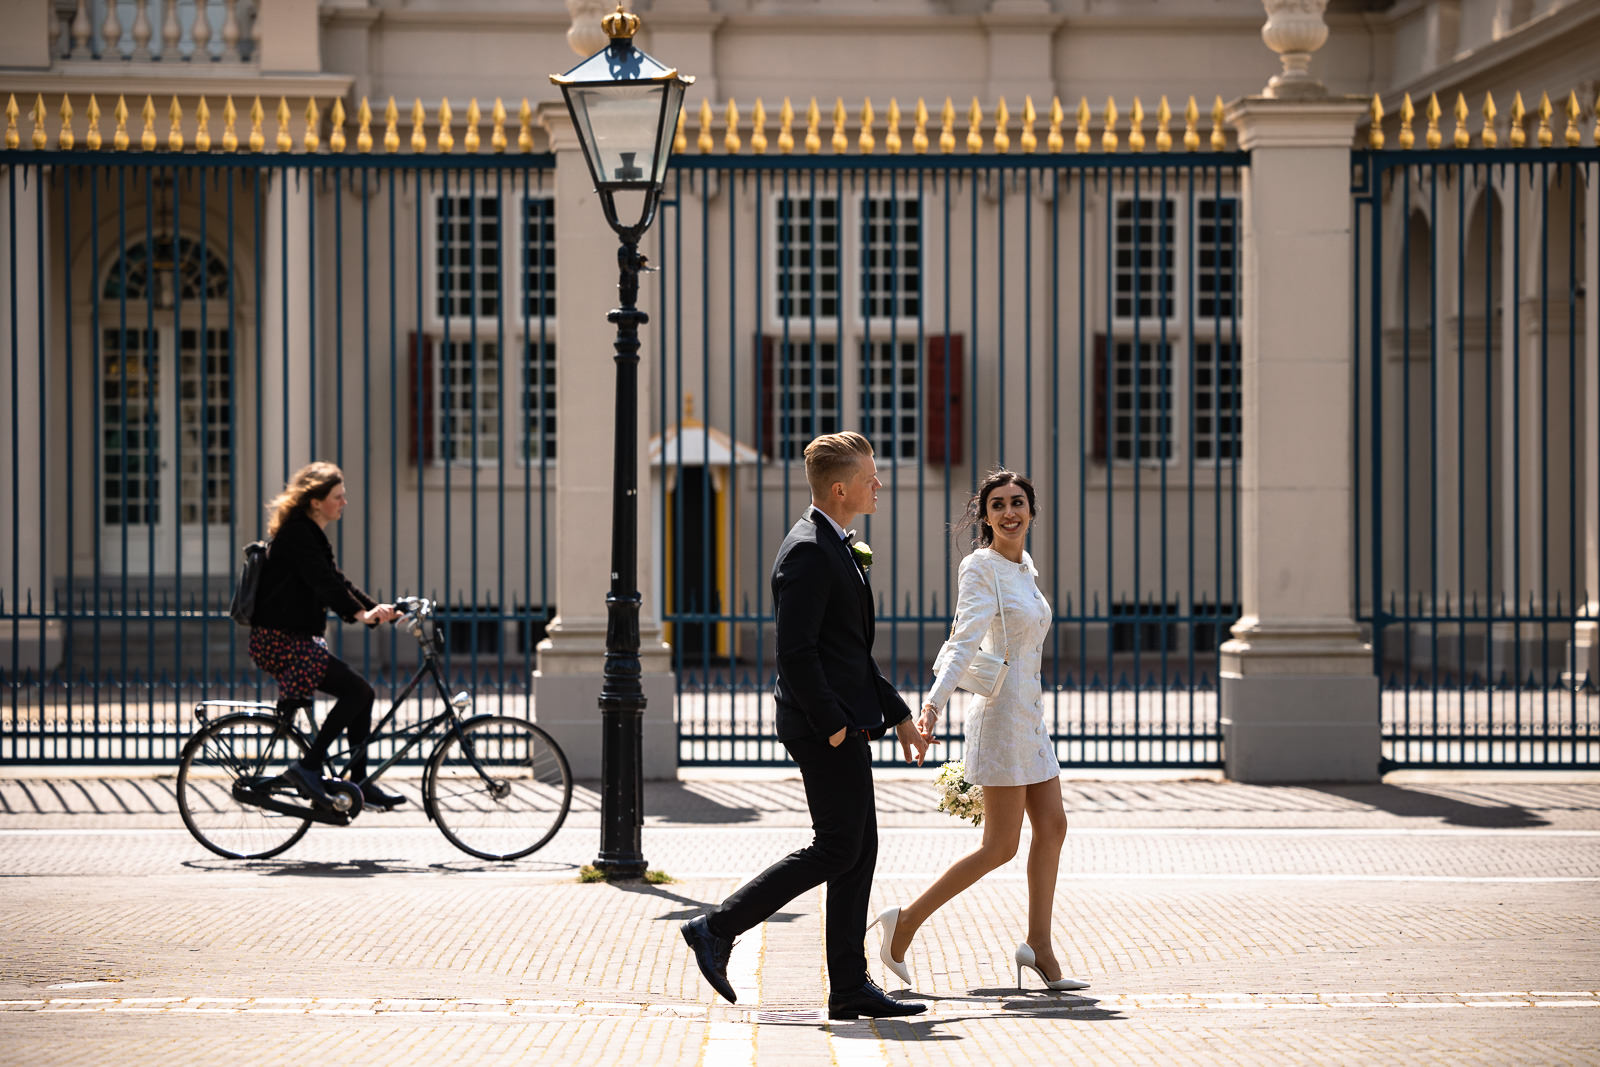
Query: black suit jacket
(826, 675)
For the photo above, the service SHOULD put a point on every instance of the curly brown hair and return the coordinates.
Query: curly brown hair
(314, 481)
(983, 533)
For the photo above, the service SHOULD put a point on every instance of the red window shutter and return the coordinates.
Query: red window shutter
(1099, 443)
(767, 397)
(419, 386)
(943, 382)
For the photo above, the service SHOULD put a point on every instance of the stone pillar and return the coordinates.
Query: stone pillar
(1020, 36)
(290, 32)
(285, 433)
(1299, 696)
(567, 681)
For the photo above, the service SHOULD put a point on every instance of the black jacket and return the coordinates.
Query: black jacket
(826, 675)
(300, 582)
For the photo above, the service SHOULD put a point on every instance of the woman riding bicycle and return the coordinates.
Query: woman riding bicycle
(300, 583)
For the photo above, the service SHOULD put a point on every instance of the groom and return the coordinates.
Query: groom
(832, 700)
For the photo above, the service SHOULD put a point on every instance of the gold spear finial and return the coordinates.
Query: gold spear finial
(1547, 135)
(391, 126)
(1191, 125)
(65, 138)
(147, 139)
(1574, 135)
(1434, 137)
(230, 115)
(119, 136)
(470, 140)
(91, 137)
(13, 135)
(758, 128)
(680, 136)
(446, 139)
(419, 118)
(891, 133)
(786, 127)
(202, 126)
(1108, 137)
(1375, 129)
(285, 142)
(1519, 135)
(258, 116)
(813, 128)
(40, 138)
(1136, 126)
(497, 128)
(1080, 140)
(364, 127)
(1594, 135)
(1002, 117)
(1053, 140)
(947, 128)
(1408, 114)
(1163, 116)
(1490, 136)
(865, 141)
(525, 127)
(1030, 141)
(336, 136)
(704, 141)
(919, 130)
(1219, 137)
(311, 140)
(1462, 139)
(974, 126)
(730, 133)
(840, 142)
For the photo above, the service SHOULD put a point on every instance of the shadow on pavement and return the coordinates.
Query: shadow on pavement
(368, 868)
(1456, 809)
(684, 801)
(691, 906)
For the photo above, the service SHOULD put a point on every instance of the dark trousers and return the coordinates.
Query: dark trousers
(351, 714)
(843, 852)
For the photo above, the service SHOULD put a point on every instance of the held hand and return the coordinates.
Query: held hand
(928, 720)
(911, 741)
(838, 739)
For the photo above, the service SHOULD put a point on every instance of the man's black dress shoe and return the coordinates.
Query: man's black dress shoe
(373, 796)
(871, 1002)
(711, 953)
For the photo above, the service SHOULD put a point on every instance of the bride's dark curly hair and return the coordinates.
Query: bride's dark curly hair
(982, 532)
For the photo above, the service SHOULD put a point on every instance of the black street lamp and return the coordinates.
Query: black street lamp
(625, 106)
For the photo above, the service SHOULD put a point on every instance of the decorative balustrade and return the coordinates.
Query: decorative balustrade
(190, 31)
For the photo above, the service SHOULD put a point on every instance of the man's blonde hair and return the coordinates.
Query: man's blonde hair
(833, 458)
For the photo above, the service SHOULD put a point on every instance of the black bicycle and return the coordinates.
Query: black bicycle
(497, 786)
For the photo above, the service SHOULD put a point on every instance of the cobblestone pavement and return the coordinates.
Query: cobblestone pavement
(1434, 921)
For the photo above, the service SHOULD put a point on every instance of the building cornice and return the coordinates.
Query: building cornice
(131, 82)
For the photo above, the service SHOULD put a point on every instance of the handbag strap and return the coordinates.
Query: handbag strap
(1000, 601)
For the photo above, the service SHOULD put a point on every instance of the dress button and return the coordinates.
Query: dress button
(1043, 754)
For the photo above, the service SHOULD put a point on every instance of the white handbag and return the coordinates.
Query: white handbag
(987, 671)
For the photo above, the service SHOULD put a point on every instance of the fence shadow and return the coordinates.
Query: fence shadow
(1454, 809)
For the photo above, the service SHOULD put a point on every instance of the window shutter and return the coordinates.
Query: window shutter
(767, 397)
(1099, 442)
(943, 380)
(419, 411)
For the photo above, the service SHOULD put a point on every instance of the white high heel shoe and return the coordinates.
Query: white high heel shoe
(1025, 958)
(888, 920)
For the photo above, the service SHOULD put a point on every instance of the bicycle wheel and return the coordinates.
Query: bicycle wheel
(500, 789)
(234, 754)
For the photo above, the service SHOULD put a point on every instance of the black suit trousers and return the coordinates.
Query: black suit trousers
(843, 853)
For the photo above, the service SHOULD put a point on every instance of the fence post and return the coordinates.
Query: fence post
(1298, 692)
(567, 682)
(1583, 661)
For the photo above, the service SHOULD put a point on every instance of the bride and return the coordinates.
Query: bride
(1008, 750)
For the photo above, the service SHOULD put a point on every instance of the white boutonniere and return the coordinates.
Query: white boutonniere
(863, 554)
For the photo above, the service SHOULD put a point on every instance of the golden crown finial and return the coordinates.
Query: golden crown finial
(497, 126)
(1219, 136)
(758, 128)
(1434, 137)
(680, 135)
(119, 136)
(419, 118)
(337, 141)
(1462, 138)
(1547, 135)
(1491, 136)
(285, 143)
(813, 128)
(704, 141)
(364, 127)
(446, 140)
(1574, 135)
(1029, 141)
(525, 126)
(1080, 140)
(40, 138)
(65, 139)
(312, 138)
(1191, 125)
(1002, 116)
(147, 138)
(91, 137)
(1108, 138)
(841, 143)
(13, 135)
(391, 126)
(202, 126)
(470, 139)
(620, 24)
(1136, 126)
(175, 126)
(1519, 135)
(919, 129)
(1053, 140)
(230, 115)
(865, 141)
(1163, 116)
(786, 127)
(975, 126)
(1375, 128)
(1408, 114)
(891, 133)
(947, 127)
(730, 132)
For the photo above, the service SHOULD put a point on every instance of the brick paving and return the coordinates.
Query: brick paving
(1441, 921)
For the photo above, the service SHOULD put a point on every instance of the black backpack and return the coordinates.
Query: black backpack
(243, 605)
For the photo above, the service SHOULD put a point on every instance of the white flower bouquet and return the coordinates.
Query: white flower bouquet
(958, 796)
